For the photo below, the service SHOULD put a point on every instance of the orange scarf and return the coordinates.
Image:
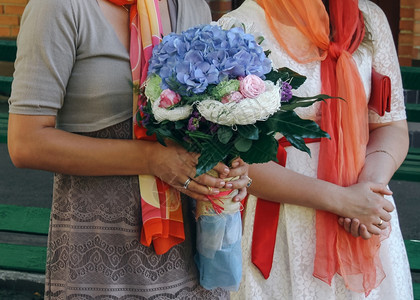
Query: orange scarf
(302, 28)
(160, 203)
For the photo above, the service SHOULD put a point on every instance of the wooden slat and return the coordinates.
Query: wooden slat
(8, 50)
(411, 78)
(413, 112)
(5, 85)
(23, 219)
(416, 289)
(407, 174)
(413, 253)
(410, 168)
(4, 119)
(23, 258)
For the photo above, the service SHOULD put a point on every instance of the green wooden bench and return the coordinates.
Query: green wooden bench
(413, 252)
(35, 221)
(20, 220)
(7, 54)
(19, 254)
(410, 168)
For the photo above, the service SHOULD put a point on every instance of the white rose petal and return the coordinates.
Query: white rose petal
(246, 112)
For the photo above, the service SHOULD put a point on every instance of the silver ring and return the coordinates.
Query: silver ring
(380, 223)
(187, 183)
(249, 182)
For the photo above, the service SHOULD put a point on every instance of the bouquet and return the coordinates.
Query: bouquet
(214, 92)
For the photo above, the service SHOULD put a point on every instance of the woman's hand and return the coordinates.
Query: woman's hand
(368, 212)
(176, 166)
(238, 169)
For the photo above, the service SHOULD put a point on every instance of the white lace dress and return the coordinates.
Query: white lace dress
(291, 275)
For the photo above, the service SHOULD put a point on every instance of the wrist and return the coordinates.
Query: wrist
(149, 150)
(334, 199)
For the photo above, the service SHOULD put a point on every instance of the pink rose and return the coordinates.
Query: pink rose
(251, 86)
(168, 98)
(232, 97)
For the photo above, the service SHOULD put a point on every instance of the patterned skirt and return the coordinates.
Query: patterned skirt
(94, 250)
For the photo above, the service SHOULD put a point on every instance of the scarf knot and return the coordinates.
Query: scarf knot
(335, 50)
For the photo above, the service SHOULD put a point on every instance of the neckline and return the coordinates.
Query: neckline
(112, 29)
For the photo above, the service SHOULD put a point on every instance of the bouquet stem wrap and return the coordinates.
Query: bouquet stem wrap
(219, 231)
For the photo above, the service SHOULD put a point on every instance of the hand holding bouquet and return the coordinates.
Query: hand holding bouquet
(214, 92)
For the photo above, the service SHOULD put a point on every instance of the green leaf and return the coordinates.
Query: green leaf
(212, 153)
(259, 40)
(242, 144)
(285, 74)
(273, 76)
(294, 78)
(249, 132)
(296, 101)
(199, 135)
(298, 142)
(263, 150)
(294, 128)
(179, 125)
(224, 134)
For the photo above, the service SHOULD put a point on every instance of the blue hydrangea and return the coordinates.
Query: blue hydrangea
(189, 62)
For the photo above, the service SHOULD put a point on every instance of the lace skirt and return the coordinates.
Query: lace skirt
(94, 250)
(291, 275)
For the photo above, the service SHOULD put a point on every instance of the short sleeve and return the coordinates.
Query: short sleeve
(45, 57)
(192, 13)
(385, 61)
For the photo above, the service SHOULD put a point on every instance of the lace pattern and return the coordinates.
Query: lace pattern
(94, 250)
(291, 275)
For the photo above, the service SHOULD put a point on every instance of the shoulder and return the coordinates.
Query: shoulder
(58, 9)
(247, 15)
(48, 13)
(373, 14)
(198, 6)
(49, 7)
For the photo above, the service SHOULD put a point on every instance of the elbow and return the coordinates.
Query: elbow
(19, 153)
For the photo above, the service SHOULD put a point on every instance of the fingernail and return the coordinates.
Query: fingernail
(215, 191)
(235, 164)
(226, 170)
(229, 185)
(222, 184)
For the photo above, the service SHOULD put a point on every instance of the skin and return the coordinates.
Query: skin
(361, 205)
(380, 166)
(34, 140)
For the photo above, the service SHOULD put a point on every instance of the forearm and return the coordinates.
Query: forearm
(54, 150)
(278, 184)
(385, 152)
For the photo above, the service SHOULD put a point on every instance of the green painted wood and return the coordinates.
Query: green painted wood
(8, 50)
(23, 258)
(413, 253)
(413, 112)
(411, 78)
(5, 85)
(407, 174)
(410, 168)
(416, 289)
(32, 220)
(4, 119)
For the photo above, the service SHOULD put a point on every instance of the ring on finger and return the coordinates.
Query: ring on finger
(249, 182)
(187, 183)
(380, 223)
(210, 189)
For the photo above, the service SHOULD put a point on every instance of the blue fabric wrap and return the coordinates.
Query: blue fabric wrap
(219, 254)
